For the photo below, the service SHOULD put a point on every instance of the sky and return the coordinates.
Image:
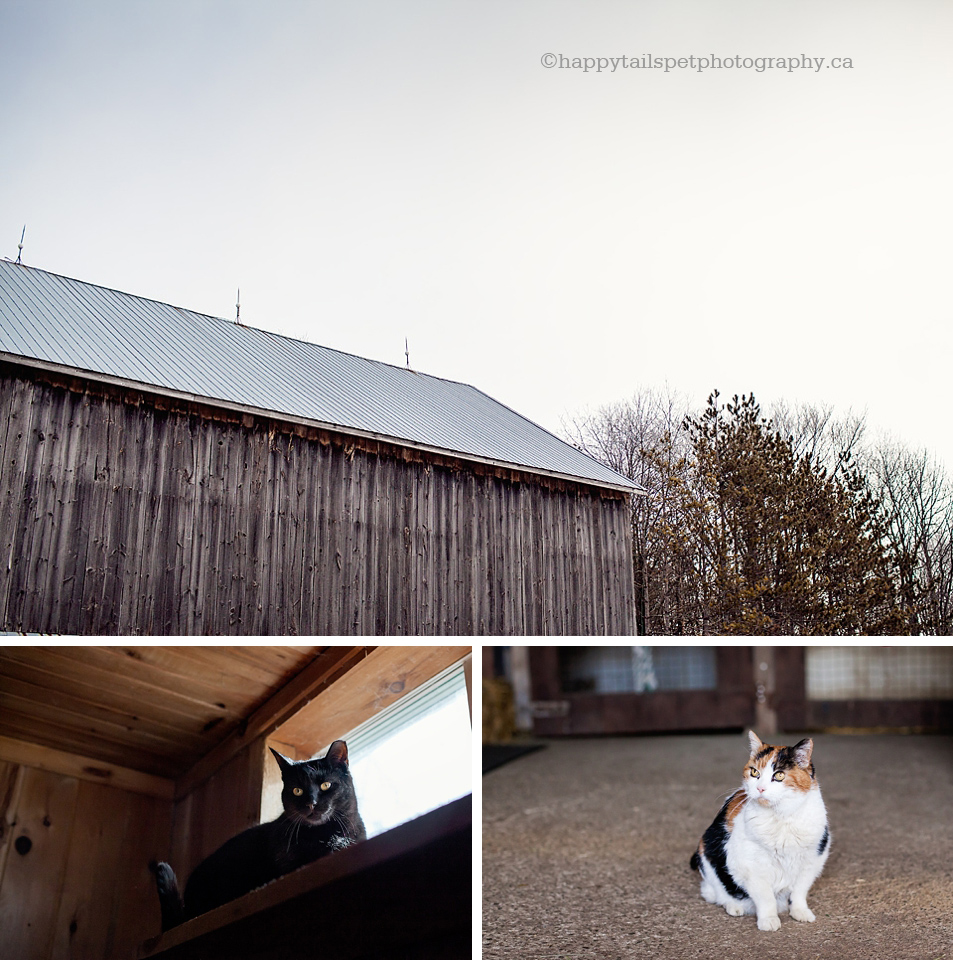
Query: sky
(511, 187)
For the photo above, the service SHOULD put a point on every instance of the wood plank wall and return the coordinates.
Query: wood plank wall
(81, 886)
(121, 518)
(223, 805)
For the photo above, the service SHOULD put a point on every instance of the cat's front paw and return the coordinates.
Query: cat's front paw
(734, 909)
(769, 923)
(803, 913)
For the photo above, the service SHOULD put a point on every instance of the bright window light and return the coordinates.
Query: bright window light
(415, 755)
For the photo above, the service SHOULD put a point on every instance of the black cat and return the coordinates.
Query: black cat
(320, 816)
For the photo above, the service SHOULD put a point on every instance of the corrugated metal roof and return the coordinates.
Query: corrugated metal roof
(57, 320)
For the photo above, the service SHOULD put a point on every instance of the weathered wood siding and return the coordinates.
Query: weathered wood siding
(122, 513)
(78, 884)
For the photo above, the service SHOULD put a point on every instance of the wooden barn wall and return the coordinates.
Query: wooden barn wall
(121, 518)
(80, 887)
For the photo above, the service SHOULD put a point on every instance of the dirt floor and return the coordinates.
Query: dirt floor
(586, 846)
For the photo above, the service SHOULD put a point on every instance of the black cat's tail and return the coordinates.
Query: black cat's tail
(170, 900)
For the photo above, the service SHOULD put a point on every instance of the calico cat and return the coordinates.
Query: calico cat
(770, 840)
(320, 816)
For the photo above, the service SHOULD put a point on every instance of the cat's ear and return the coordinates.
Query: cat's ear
(802, 753)
(337, 752)
(755, 741)
(283, 762)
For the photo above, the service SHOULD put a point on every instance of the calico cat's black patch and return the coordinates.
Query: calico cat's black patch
(714, 840)
(822, 846)
(788, 757)
(320, 816)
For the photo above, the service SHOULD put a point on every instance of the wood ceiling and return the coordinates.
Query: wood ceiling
(157, 710)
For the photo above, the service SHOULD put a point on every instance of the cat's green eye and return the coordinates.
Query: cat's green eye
(754, 772)
(779, 775)
(326, 785)
(297, 791)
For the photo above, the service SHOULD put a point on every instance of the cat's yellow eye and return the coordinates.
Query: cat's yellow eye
(297, 791)
(779, 775)
(326, 785)
(754, 772)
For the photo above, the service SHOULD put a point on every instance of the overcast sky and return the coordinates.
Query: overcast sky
(558, 237)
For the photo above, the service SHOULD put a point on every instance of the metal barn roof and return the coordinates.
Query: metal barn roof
(56, 320)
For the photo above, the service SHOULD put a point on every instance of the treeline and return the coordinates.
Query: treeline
(794, 523)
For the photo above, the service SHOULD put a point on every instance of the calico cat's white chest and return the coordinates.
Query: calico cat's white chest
(766, 837)
(780, 830)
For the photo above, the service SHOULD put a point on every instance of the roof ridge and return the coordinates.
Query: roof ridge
(246, 326)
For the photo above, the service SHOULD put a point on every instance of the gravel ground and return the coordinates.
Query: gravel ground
(586, 846)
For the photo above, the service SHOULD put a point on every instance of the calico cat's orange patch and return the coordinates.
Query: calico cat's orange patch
(799, 777)
(779, 757)
(735, 804)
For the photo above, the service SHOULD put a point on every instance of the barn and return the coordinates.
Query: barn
(115, 756)
(165, 472)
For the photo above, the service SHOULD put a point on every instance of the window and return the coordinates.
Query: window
(415, 755)
(879, 673)
(637, 669)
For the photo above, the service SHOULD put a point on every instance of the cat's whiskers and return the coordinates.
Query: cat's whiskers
(293, 830)
(341, 819)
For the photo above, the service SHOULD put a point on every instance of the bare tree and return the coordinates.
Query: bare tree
(817, 434)
(919, 498)
(641, 438)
